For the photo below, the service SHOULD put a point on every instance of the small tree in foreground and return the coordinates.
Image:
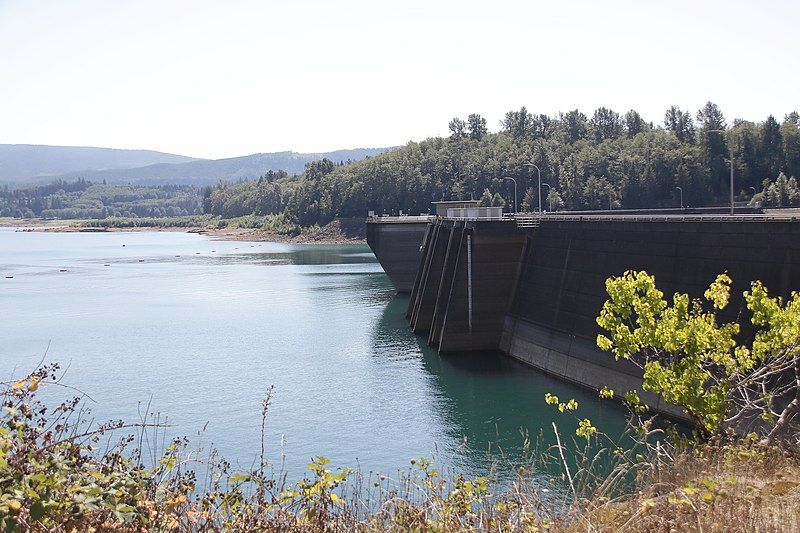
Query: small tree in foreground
(695, 363)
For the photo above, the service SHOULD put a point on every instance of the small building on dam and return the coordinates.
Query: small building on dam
(532, 286)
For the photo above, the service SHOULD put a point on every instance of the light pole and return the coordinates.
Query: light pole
(681, 196)
(515, 191)
(731, 150)
(539, 172)
(549, 200)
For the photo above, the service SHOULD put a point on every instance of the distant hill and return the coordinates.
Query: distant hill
(184, 171)
(210, 171)
(22, 164)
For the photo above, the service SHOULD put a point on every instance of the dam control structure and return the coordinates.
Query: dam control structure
(532, 286)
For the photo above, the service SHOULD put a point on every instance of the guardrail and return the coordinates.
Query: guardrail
(402, 219)
(528, 220)
(533, 220)
(475, 213)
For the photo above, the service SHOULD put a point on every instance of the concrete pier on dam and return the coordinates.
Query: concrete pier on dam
(532, 286)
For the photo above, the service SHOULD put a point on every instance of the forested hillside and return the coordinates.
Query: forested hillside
(595, 161)
(83, 199)
(606, 160)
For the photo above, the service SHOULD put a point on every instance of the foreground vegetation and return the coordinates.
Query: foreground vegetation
(59, 474)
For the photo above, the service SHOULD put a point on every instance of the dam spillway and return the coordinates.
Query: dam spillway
(534, 292)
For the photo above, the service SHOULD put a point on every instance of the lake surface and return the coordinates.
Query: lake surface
(200, 329)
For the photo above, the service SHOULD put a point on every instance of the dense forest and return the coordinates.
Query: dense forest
(84, 199)
(605, 160)
(598, 161)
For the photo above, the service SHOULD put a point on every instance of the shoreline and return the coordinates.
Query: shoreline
(222, 234)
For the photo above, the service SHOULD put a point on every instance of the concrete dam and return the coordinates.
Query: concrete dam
(531, 286)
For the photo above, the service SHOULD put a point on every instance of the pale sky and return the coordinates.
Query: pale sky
(227, 78)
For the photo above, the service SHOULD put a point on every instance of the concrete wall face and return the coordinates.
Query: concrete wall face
(465, 286)
(562, 285)
(535, 293)
(561, 289)
(396, 246)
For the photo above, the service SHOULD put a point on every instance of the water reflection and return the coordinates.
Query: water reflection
(488, 400)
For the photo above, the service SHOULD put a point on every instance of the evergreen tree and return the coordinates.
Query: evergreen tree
(458, 128)
(634, 124)
(680, 123)
(498, 201)
(554, 201)
(486, 199)
(770, 149)
(711, 120)
(530, 200)
(476, 125)
(782, 193)
(518, 123)
(576, 125)
(790, 146)
(542, 127)
(606, 124)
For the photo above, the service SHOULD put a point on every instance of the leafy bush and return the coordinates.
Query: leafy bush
(696, 363)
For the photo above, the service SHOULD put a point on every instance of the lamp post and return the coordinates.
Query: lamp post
(723, 131)
(681, 196)
(515, 191)
(549, 200)
(539, 172)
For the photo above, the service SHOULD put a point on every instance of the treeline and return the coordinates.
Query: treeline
(605, 160)
(264, 196)
(598, 161)
(84, 199)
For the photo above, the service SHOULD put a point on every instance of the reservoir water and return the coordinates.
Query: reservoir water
(200, 329)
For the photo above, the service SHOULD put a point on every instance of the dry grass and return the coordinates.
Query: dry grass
(729, 488)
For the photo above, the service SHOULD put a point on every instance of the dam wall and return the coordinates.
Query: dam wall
(396, 242)
(465, 283)
(535, 292)
(551, 323)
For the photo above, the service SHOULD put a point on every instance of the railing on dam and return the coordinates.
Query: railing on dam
(534, 220)
(528, 220)
(475, 213)
(401, 219)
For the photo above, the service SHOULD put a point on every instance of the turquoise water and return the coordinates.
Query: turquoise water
(200, 329)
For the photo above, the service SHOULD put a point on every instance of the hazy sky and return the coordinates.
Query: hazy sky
(218, 79)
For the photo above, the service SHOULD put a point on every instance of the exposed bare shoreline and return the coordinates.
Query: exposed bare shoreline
(323, 236)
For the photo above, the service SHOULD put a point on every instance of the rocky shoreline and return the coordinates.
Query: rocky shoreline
(337, 232)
